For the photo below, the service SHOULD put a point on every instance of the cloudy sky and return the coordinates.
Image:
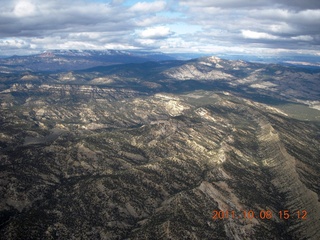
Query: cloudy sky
(205, 26)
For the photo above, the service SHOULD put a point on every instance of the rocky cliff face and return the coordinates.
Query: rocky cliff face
(96, 162)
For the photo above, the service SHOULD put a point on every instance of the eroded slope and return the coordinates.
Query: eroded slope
(89, 163)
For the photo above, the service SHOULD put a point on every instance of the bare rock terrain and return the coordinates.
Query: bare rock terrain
(129, 160)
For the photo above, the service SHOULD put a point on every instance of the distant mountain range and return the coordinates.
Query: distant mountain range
(257, 80)
(69, 60)
(64, 60)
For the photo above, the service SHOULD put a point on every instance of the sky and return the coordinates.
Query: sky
(257, 27)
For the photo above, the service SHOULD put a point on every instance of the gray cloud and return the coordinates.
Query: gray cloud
(287, 4)
(211, 25)
(268, 24)
(298, 4)
(57, 16)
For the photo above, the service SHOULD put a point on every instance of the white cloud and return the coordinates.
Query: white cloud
(148, 42)
(13, 43)
(280, 28)
(148, 6)
(257, 35)
(150, 21)
(156, 32)
(303, 38)
(24, 8)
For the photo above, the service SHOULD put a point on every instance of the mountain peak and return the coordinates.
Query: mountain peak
(214, 59)
(46, 54)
